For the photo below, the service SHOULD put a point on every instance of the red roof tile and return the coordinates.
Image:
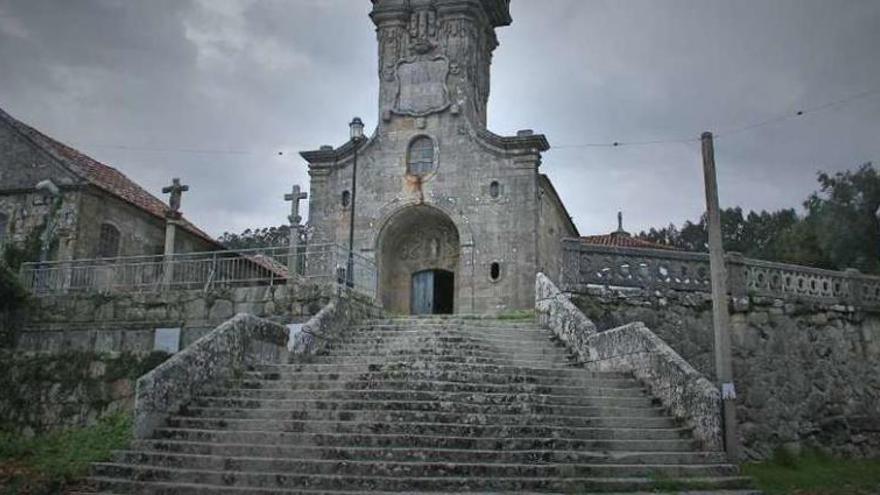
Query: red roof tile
(622, 240)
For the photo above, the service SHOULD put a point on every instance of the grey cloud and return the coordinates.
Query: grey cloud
(269, 75)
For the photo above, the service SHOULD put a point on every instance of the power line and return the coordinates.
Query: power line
(606, 144)
(169, 150)
(732, 131)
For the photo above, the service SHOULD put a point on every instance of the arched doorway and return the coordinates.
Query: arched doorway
(418, 261)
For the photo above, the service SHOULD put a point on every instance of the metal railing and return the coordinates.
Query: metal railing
(318, 264)
(653, 269)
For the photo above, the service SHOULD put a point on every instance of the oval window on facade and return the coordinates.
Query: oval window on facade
(420, 156)
(346, 199)
(495, 271)
(494, 189)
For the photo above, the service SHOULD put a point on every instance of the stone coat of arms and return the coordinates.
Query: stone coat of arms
(421, 86)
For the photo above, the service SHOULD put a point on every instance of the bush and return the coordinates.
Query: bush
(45, 463)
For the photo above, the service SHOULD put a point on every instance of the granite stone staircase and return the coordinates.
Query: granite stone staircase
(433, 404)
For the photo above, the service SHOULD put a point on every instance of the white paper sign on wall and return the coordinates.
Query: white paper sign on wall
(167, 339)
(295, 330)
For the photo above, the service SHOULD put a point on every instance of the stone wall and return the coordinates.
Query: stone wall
(126, 321)
(51, 391)
(806, 372)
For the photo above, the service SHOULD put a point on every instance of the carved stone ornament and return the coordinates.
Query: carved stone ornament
(421, 86)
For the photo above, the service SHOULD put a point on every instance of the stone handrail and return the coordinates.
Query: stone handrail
(323, 329)
(555, 311)
(633, 348)
(658, 269)
(208, 362)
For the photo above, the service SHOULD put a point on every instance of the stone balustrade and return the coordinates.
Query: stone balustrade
(656, 269)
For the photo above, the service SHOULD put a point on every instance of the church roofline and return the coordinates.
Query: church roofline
(547, 185)
(329, 154)
(523, 140)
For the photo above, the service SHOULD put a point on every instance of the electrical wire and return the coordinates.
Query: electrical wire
(608, 144)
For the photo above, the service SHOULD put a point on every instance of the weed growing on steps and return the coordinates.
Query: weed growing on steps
(45, 463)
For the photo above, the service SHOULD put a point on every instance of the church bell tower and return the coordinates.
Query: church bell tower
(435, 56)
(455, 218)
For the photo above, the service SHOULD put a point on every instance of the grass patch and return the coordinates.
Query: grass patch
(815, 474)
(45, 463)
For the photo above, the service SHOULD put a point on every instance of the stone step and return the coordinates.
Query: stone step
(443, 359)
(389, 468)
(672, 440)
(588, 398)
(459, 322)
(582, 379)
(105, 473)
(451, 429)
(433, 367)
(511, 340)
(432, 453)
(286, 420)
(157, 488)
(226, 398)
(426, 349)
(439, 386)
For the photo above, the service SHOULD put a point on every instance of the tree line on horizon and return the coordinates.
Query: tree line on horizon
(837, 229)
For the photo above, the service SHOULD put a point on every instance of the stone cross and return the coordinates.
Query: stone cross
(295, 196)
(176, 190)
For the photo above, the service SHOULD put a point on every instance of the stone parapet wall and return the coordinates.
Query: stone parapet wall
(633, 348)
(807, 371)
(209, 362)
(126, 321)
(327, 326)
(683, 390)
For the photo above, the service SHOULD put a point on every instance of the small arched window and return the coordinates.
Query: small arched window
(346, 199)
(420, 156)
(494, 189)
(495, 271)
(4, 224)
(108, 242)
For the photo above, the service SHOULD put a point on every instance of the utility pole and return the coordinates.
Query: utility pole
(720, 315)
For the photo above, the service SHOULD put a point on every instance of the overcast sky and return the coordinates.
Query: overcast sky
(143, 85)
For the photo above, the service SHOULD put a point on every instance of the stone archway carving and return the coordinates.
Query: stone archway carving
(414, 239)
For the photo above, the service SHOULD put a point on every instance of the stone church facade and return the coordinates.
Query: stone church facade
(457, 218)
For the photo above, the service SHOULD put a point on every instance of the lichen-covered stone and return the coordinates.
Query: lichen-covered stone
(634, 348)
(805, 371)
(208, 362)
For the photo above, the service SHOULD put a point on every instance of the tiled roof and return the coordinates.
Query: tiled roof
(101, 176)
(617, 239)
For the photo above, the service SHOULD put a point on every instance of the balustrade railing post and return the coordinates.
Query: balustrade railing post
(737, 275)
(854, 284)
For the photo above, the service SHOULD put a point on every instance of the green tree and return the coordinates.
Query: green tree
(839, 230)
(257, 238)
(843, 214)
